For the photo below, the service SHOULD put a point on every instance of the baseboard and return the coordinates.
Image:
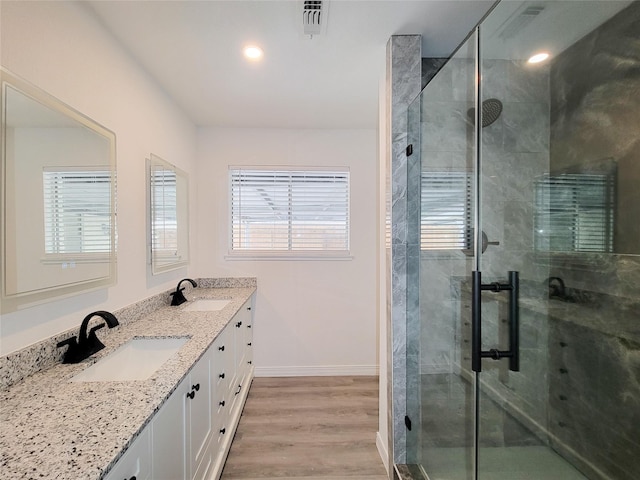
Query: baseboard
(383, 451)
(317, 371)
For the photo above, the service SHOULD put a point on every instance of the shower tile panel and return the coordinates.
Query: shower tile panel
(404, 65)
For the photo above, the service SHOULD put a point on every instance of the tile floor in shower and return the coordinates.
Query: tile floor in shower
(510, 451)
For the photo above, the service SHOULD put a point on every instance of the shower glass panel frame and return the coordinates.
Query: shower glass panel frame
(538, 251)
(441, 178)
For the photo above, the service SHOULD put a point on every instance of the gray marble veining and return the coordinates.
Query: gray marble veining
(404, 70)
(53, 428)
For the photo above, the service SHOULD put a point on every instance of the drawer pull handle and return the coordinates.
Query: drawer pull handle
(195, 387)
(223, 431)
(221, 348)
(191, 395)
(221, 375)
(222, 403)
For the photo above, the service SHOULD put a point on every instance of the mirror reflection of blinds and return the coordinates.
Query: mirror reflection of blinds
(282, 210)
(445, 214)
(165, 212)
(77, 211)
(574, 213)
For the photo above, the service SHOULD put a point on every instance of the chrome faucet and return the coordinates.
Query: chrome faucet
(177, 297)
(86, 345)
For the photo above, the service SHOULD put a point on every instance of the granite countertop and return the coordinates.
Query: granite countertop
(53, 428)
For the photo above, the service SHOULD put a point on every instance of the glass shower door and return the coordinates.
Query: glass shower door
(527, 227)
(554, 374)
(441, 188)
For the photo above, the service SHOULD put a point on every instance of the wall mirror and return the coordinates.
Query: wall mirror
(169, 215)
(58, 227)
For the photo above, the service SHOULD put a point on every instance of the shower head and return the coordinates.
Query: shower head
(491, 110)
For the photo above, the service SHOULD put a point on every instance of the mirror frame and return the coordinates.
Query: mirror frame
(10, 302)
(182, 221)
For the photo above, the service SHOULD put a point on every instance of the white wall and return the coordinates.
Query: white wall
(59, 47)
(383, 312)
(312, 317)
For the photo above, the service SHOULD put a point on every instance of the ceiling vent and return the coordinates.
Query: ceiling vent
(314, 17)
(520, 20)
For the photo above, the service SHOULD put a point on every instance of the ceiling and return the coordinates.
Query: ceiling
(193, 49)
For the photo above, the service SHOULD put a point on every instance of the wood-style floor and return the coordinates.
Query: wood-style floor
(308, 428)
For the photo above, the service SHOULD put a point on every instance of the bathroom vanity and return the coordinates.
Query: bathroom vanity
(178, 423)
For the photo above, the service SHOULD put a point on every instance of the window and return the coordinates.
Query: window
(445, 211)
(574, 213)
(289, 210)
(164, 211)
(77, 211)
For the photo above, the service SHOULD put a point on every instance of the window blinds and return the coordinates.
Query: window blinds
(164, 214)
(574, 213)
(445, 216)
(289, 210)
(77, 211)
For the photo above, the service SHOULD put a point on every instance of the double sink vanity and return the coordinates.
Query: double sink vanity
(161, 401)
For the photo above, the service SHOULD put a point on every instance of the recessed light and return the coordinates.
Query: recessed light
(538, 57)
(253, 53)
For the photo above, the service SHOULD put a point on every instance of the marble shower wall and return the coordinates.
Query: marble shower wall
(403, 85)
(595, 115)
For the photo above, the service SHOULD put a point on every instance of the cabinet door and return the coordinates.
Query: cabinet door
(248, 339)
(248, 336)
(221, 370)
(199, 414)
(136, 462)
(243, 340)
(168, 441)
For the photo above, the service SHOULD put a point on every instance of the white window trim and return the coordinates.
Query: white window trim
(286, 255)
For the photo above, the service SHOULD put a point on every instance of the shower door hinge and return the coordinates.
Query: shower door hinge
(409, 150)
(407, 422)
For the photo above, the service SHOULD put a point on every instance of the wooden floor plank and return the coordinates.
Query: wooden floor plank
(308, 428)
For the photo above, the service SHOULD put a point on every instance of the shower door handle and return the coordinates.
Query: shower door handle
(477, 354)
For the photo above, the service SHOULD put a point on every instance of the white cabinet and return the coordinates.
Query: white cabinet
(190, 436)
(247, 342)
(135, 464)
(181, 430)
(238, 333)
(168, 446)
(243, 357)
(198, 419)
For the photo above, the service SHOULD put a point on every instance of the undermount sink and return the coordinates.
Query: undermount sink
(207, 305)
(137, 359)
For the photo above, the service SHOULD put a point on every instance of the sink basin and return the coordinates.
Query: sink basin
(137, 359)
(207, 305)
